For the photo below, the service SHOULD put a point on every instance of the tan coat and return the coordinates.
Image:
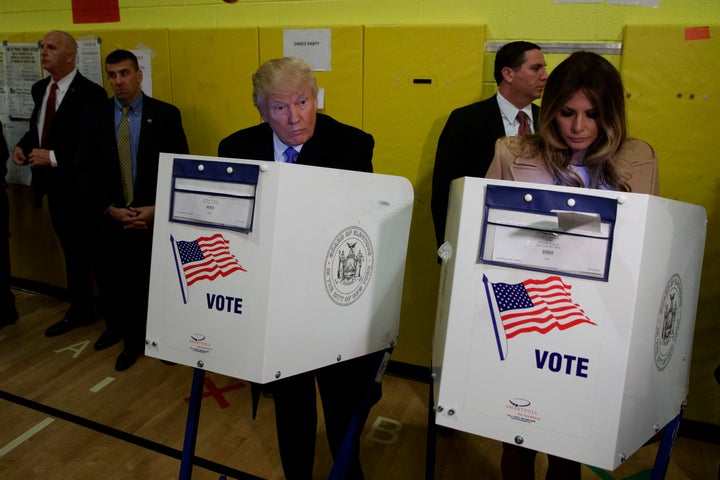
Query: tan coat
(637, 165)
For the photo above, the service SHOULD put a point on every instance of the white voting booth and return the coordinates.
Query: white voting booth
(565, 316)
(263, 270)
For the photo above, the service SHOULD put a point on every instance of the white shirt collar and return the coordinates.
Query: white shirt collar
(509, 114)
(64, 83)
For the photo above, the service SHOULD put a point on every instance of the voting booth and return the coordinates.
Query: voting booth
(263, 270)
(565, 316)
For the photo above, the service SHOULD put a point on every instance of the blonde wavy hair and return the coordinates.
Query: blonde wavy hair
(281, 75)
(600, 82)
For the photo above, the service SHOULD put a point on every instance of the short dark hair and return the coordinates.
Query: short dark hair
(511, 55)
(117, 56)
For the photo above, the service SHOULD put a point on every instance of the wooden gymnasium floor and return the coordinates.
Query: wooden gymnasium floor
(66, 414)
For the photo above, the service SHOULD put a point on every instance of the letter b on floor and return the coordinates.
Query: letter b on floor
(384, 430)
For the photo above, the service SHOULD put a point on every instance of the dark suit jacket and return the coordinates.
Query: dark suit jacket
(62, 136)
(333, 145)
(465, 149)
(98, 163)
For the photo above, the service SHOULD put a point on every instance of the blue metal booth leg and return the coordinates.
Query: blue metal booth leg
(431, 440)
(662, 459)
(191, 426)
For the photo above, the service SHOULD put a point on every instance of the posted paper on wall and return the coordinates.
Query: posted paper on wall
(313, 46)
(22, 69)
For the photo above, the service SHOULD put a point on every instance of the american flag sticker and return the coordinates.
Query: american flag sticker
(538, 306)
(205, 258)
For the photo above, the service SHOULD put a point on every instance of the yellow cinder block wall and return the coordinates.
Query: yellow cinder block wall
(186, 23)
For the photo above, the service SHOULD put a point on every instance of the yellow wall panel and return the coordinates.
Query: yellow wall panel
(187, 16)
(35, 252)
(245, 15)
(14, 37)
(343, 84)
(36, 37)
(673, 100)
(211, 79)
(506, 19)
(414, 77)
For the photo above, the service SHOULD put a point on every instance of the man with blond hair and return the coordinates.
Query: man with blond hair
(285, 94)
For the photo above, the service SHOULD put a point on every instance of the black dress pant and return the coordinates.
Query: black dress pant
(123, 273)
(342, 387)
(70, 222)
(7, 299)
(518, 463)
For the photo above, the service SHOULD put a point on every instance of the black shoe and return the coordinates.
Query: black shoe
(9, 317)
(443, 431)
(64, 326)
(107, 340)
(125, 360)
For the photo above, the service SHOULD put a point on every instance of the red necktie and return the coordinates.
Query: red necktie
(524, 128)
(49, 113)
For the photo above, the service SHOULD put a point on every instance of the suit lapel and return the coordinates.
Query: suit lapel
(145, 124)
(70, 98)
(264, 149)
(313, 149)
(498, 125)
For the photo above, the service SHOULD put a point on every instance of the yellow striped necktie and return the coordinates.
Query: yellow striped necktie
(125, 156)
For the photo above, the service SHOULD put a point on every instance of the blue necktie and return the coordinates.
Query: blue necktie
(290, 155)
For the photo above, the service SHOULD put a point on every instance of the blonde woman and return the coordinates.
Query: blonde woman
(581, 142)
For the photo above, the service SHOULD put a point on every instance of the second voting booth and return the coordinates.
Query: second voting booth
(263, 270)
(565, 316)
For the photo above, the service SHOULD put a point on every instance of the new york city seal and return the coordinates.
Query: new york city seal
(668, 322)
(348, 265)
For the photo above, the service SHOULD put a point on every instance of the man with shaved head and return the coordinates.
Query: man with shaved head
(49, 148)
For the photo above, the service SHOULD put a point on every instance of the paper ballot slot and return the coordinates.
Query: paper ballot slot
(221, 194)
(263, 270)
(584, 352)
(525, 227)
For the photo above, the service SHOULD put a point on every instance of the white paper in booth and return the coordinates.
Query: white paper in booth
(215, 203)
(581, 222)
(570, 242)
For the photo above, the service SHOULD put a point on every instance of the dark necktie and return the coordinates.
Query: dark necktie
(524, 128)
(49, 113)
(125, 156)
(290, 155)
